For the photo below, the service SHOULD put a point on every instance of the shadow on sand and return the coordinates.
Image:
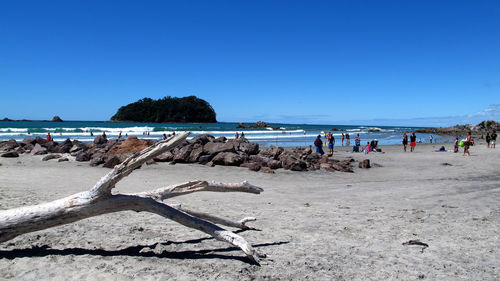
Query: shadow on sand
(137, 251)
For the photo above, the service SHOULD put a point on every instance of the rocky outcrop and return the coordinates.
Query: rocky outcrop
(202, 149)
(481, 128)
(258, 125)
(57, 119)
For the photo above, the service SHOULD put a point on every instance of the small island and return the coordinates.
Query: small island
(168, 109)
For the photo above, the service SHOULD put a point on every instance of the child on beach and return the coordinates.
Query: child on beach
(319, 145)
(367, 148)
(468, 143)
(455, 150)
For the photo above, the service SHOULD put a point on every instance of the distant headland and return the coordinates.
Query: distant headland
(167, 110)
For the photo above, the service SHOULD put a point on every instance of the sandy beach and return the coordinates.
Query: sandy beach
(312, 225)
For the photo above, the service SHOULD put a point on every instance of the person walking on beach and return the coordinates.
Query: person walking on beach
(347, 139)
(319, 145)
(331, 143)
(413, 141)
(493, 139)
(488, 139)
(430, 138)
(342, 139)
(467, 144)
(405, 141)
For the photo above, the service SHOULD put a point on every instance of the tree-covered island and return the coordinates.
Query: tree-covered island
(167, 110)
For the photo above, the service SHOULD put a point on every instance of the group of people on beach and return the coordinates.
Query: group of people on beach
(330, 139)
(491, 139)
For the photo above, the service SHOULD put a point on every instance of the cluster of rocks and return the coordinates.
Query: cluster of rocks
(258, 125)
(481, 128)
(203, 149)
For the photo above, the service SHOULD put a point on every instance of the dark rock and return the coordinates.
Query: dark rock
(263, 161)
(112, 142)
(51, 146)
(267, 170)
(38, 150)
(10, 154)
(249, 148)
(112, 162)
(64, 147)
(51, 156)
(100, 139)
(19, 150)
(272, 152)
(342, 168)
(7, 119)
(365, 164)
(290, 161)
(204, 159)
(251, 166)
(97, 158)
(83, 156)
(202, 139)
(196, 152)
(40, 141)
(29, 141)
(164, 157)
(227, 159)
(8, 145)
(220, 139)
(64, 159)
(182, 155)
(274, 164)
(213, 148)
(57, 119)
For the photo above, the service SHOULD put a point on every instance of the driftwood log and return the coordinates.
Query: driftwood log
(100, 200)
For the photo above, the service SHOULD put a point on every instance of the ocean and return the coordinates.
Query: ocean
(288, 135)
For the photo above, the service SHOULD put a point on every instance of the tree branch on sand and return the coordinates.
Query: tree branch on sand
(99, 200)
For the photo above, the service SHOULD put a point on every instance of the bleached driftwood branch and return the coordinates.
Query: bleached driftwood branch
(99, 200)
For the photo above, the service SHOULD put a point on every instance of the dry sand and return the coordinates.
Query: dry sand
(312, 225)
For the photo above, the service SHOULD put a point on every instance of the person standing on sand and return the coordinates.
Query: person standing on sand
(488, 139)
(342, 139)
(331, 143)
(467, 142)
(347, 139)
(430, 138)
(405, 141)
(413, 141)
(319, 145)
(493, 139)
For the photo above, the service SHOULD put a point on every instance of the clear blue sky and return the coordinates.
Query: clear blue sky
(326, 62)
